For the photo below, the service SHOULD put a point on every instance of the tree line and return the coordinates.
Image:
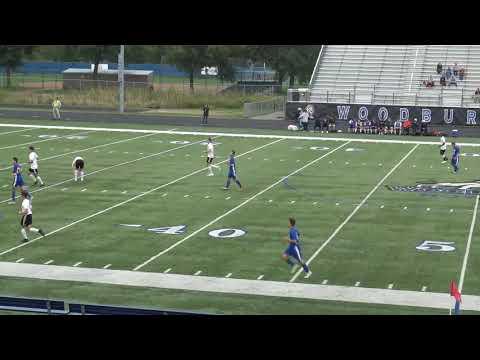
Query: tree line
(294, 62)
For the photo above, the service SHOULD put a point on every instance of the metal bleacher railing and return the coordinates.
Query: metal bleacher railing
(59, 307)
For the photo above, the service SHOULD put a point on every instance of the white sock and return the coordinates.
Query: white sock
(24, 233)
(81, 175)
(32, 229)
(210, 169)
(76, 175)
(40, 179)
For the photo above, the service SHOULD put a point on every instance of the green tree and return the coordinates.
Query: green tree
(221, 56)
(11, 57)
(189, 58)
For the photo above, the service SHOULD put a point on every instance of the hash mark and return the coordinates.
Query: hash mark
(260, 277)
(198, 273)
(20, 260)
(167, 271)
(228, 275)
(77, 264)
(107, 266)
(48, 262)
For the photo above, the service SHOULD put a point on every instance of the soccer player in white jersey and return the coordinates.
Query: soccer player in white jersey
(27, 220)
(443, 148)
(33, 161)
(210, 157)
(78, 165)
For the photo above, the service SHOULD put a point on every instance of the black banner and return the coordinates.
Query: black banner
(430, 114)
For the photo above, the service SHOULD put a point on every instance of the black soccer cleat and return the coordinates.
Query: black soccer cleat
(40, 231)
(25, 240)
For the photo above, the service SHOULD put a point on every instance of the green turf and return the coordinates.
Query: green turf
(376, 247)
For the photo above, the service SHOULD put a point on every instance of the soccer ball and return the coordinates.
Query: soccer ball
(292, 127)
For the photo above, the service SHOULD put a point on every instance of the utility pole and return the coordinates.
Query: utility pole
(121, 82)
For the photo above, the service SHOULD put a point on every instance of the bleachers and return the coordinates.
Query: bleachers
(393, 74)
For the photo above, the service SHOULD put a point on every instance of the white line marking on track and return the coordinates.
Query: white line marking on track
(113, 166)
(324, 282)
(315, 254)
(237, 207)
(39, 141)
(139, 196)
(228, 275)
(48, 262)
(234, 135)
(90, 148)
(20, 260)
(107, 266)
(357, 283)
(16, 131)
(467, 251)
(424, 288)
(390, 286)
(77, 264)
(198, 273)
(260, 277)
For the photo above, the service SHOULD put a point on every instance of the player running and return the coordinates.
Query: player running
(443, 148)
(293, 250)
(27, 221)
(210, 157)
(78, 164)
(17, 178)
(33, 161)
(455, 157)
(232, 172)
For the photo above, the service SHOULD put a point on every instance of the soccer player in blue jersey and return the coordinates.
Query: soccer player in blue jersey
(455, 157)
(17, 178)
(293, 250)
(232, 172)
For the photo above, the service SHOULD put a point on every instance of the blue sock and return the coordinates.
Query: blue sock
(305, 268)
(290, 262)
(13, 195)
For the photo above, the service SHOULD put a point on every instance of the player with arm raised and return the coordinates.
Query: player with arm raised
(443, 148)
(293, 250)
(33, 161)
(78, 165)
(27, 219)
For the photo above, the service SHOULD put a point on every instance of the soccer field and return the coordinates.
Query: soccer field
(364, 211)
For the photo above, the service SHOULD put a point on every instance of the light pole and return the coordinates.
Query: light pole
(121, 82)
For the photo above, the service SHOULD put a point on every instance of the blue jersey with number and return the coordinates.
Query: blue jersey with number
(232, 170)
(17, 176)
(456, 151)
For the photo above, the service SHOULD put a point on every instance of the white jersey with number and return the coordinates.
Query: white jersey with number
(26, 207)
(210, 151)
(33, 159)
(443, 142)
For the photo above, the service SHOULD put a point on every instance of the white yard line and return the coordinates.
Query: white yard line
(40, 141)
(111, 167)
(86, 149)
(237, 135)
(237, 286)
(131, 199)
(15, 131)
(354, 212)
(236, 208)
(467, 251)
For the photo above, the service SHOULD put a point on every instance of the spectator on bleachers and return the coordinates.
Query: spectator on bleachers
(476, 96)
(304, 119)
(461, 74)
(455, 69)
(318, 124)
(414, 126)
(388, 126)
(439, 68)
(443, 81)
(448, 73)
(424, 127)
(453, 81)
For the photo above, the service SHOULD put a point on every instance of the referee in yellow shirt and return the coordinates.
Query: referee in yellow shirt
(56, 105)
